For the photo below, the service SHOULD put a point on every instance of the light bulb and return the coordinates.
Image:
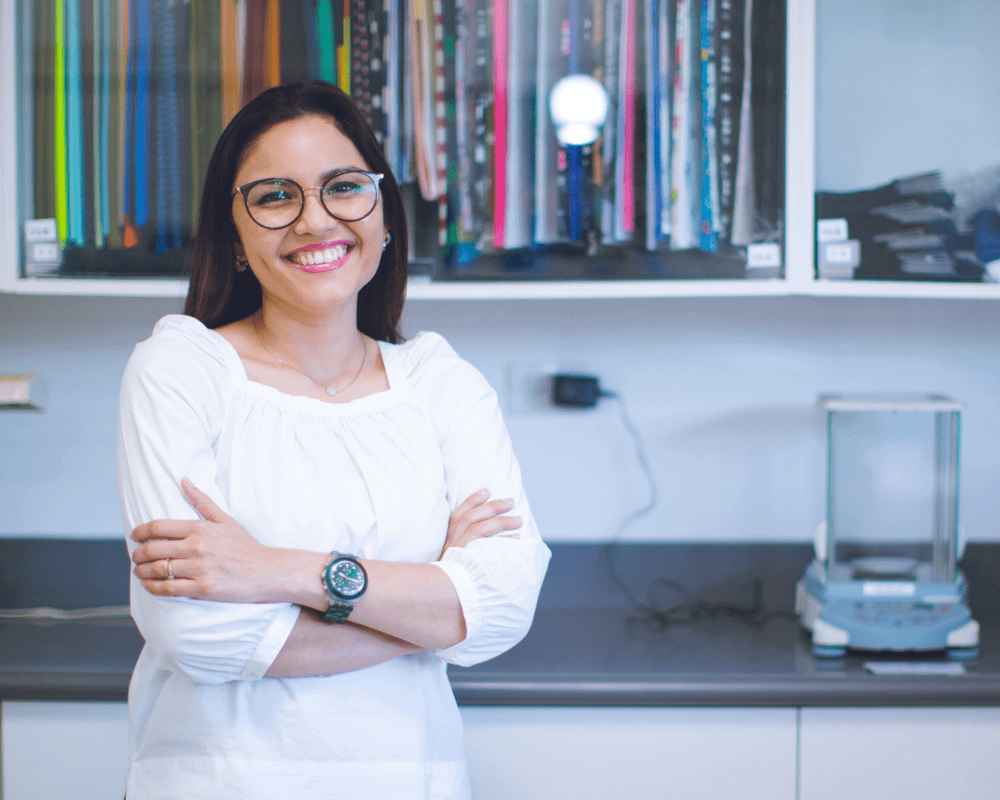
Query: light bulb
(578, 104)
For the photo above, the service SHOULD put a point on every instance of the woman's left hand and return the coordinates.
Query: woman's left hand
(212, 558)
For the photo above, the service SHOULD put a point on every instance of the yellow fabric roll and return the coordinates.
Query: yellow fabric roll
(273, 43)
(230, 69)
(344, 52)
(59, 124)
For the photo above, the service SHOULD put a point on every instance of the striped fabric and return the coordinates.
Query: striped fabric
(129, 98)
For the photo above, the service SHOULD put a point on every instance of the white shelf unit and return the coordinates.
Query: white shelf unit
(424, 289)
(561, 290)
(905, 289)
(800, 160)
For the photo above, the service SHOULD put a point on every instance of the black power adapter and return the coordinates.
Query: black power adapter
(577, 391)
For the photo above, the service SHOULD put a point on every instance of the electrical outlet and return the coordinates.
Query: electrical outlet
(15, 390)
(528, 384)
(528, 387)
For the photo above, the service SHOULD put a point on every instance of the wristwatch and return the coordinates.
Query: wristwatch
(344, 580)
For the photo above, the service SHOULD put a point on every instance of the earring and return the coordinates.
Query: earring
(241, 264)
(388, 238)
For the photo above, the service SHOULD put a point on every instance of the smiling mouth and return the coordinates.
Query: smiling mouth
(328, 258)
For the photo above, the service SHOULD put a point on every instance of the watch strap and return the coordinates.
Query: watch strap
(338, 612)
(339, 609)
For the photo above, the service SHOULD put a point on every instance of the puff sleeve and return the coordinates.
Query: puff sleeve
(170, 407)
(497, 578)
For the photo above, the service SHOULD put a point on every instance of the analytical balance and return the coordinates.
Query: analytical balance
(885, 575)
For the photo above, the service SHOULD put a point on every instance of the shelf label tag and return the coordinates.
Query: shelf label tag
(841, 254)
(44, 253)
(831, 230)
(40, 230)
(763, 255)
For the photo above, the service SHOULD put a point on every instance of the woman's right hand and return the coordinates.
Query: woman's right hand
(476, 518)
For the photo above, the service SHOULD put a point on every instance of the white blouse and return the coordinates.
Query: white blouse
(378, 477)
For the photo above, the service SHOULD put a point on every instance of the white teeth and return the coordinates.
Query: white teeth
(311, 258)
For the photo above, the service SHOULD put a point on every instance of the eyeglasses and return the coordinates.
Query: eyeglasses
(348, 195)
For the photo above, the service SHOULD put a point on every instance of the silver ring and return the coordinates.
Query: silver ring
(170, 570)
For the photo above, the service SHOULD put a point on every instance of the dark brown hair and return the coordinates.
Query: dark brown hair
(217, 293)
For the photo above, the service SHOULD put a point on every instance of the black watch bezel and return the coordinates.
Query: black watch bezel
(328, 574)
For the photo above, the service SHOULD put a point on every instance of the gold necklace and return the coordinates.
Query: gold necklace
(330, 390)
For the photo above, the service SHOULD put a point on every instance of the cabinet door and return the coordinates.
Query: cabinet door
(630, 753)
(916, 753)
(72, 750)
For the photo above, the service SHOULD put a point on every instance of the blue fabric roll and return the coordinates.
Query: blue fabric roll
(128, 166)
(986, 227)
(167, 179)
(104, 17)
(140, 139)
(77, 232)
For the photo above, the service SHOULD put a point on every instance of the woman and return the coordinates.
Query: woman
(303, 590)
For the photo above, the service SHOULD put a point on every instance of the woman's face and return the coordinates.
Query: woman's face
(294, 263)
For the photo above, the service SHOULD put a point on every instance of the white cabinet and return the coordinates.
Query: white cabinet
(631, 753)
(79, 751)
(63, 750)
(916, 753)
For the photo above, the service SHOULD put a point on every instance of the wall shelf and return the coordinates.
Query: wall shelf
(800, 186)
(905, 289)
(422, 289)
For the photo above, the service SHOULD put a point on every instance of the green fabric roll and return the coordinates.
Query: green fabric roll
(325, 42)
(116, 111)
(59, 122)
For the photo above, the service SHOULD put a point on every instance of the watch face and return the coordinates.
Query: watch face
(347, 579)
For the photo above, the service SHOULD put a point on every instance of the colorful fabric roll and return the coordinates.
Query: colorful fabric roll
(59, 123)
(128, 98)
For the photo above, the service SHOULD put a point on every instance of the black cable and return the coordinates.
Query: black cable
(687, 611)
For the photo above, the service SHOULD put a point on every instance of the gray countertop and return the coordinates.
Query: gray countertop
(589, 645)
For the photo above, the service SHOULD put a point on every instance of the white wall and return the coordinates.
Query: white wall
(920, 73)
(723, 391)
